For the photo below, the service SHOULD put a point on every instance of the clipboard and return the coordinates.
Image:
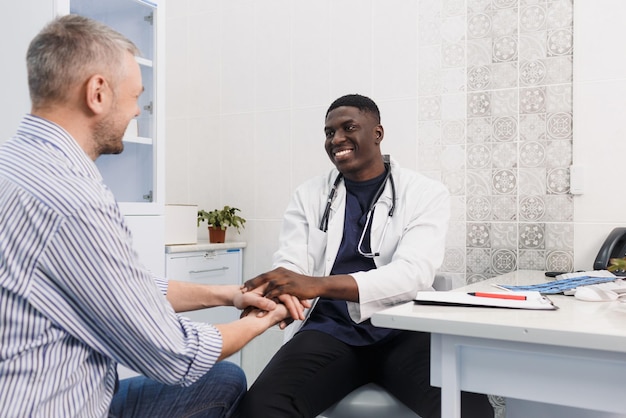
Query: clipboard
(514, 300)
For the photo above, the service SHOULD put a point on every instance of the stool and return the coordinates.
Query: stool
(368, 401)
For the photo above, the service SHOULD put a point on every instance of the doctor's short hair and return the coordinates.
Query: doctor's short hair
(363, 103)
(68, 51)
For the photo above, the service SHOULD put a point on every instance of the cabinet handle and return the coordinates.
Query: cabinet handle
(208, 270)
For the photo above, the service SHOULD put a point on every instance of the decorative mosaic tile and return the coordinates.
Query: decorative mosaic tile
(532, 100)
(504, 182)
(479, 51)
(502, 4)
(504, 235)
(478, 260)
(504, 155)
(479, 77)
(454, 260)
(453, 80)
(504, 22)
(532, 181)
(504, 75)
(504, 208)
(453, 7)
(559, 98)
(532, 127)
(478, 208)
(559, 153)
(559, 236)
(453, 54)
(503, 261)
(479, 104)
(505, 48)
(479, 182)
(453, 132)
(532, 73)
(558, 181)
(429, 108)
(559, 70)
(532, 236)
(560, 42)
(504, 102)
(532, 46)
(429, 157)
(560, 14)
(453, 29)
(479, 156)
(532, 208)
(454, 181)
(505, 128)
(478, 26)
(560, 261)
(559, 125)
(478, 5)
(533, 18)
(532, 154)
(478, 235)
(429, 133)
(479, 130)
(559, 208)
(531, 260)
(453, 157)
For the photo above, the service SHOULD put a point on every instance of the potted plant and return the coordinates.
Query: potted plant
(218, 220)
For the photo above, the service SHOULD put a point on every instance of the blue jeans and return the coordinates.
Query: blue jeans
(215, 395)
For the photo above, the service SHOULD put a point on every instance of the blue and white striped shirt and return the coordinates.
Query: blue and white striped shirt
(74, 298)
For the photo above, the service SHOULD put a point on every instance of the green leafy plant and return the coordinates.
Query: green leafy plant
(222, 218)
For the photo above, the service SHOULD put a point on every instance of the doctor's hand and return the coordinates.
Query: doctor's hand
(282, 281)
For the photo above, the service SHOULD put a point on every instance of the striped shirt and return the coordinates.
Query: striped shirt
(74, 298)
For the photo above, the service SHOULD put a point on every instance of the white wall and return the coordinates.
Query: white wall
(599, 127)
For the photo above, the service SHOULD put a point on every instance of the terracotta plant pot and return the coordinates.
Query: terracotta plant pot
(217, 235)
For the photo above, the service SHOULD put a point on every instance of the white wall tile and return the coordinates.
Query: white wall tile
(177, 152)
(272, 54)
(309, 156)
(351, 47)
(203, 98)
(394, 49)
(599, 147)
(310, 53)
(599, 32)
(177, 86)
(399, 120)
(237, 51)
(237, 156)
(272, 163)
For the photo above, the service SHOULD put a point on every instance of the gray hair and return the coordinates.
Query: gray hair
(69, 50)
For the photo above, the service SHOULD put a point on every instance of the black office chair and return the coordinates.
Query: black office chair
(371, 400)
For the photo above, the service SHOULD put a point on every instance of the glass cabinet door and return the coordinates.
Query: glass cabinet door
(134, 175)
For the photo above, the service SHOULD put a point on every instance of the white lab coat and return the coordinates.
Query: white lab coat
(412, 250)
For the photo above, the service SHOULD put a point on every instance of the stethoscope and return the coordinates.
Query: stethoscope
(331, 195)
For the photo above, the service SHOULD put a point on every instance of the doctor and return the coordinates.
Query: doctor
(365, 236)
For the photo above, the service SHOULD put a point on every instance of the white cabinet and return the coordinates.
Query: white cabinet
(208, 264)
(137, 175)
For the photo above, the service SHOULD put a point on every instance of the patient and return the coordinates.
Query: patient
(364, 236)
(75, 298)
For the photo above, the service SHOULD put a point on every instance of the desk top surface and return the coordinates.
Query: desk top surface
(592, 325)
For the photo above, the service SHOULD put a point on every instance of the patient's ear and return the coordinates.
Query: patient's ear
(97, 94)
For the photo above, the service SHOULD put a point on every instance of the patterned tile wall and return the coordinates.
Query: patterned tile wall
(495, 125)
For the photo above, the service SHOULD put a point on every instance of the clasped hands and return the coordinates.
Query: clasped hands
(277, 289)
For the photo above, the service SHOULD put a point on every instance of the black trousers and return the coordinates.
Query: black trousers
(314, 370)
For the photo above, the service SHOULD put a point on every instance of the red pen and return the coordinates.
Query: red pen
(498, 295)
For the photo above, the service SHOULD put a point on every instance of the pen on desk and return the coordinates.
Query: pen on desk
(498, 295)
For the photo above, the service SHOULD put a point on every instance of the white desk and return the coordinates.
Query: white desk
(574, 356)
